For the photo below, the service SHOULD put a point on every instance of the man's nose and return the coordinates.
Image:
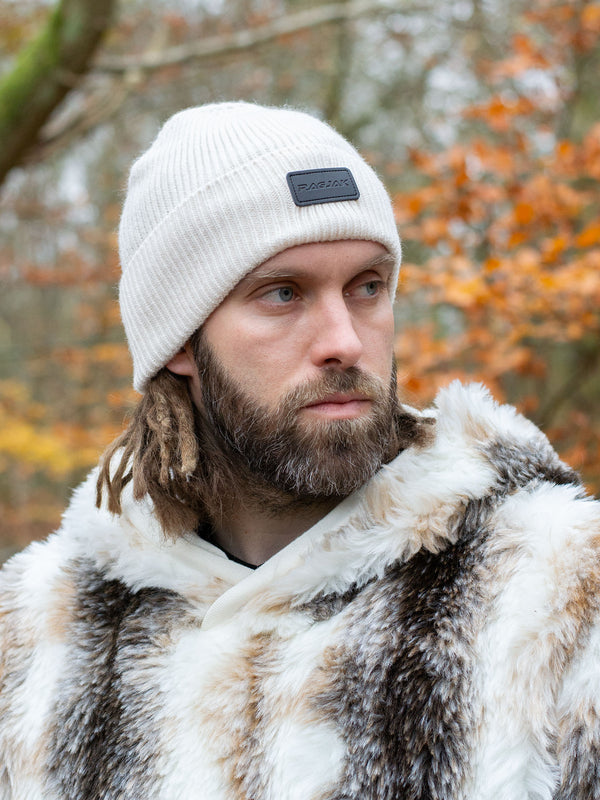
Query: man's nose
(335, 342)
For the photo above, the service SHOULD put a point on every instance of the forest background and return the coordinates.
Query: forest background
(482, 117)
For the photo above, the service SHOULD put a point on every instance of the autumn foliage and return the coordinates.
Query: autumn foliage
(503, 247)
(500, 281)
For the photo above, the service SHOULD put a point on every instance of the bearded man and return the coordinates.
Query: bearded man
(281, 583)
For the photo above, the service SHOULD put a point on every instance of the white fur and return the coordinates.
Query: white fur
(533, 663)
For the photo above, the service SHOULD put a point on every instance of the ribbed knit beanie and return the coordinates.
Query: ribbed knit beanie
(222, 188)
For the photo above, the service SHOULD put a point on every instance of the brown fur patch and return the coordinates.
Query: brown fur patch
(578, 751)
(239, 723)
(61, 609)
(203, 595)
(104, 741)
(401, 690)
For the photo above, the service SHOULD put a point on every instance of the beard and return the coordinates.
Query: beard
(278, 458)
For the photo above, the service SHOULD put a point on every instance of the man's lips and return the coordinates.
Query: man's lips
(340, 406)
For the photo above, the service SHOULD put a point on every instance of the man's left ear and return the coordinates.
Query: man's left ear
(182, 362)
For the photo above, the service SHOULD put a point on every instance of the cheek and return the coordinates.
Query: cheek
(378, 339)
(389, 332)
(269, 368)
(262, 362)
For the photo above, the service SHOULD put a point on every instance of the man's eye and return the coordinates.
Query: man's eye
(283, 294)
(370, 288)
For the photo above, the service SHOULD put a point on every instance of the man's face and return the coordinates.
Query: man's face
(294, 368)
(312, 308)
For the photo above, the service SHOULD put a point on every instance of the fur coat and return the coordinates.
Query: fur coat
(435, 637)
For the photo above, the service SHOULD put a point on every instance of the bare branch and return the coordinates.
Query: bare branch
(95, 108)
(239, 41)
(45, 72)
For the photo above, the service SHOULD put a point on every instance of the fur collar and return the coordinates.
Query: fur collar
(408, 506)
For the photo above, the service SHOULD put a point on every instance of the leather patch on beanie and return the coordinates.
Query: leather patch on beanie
(311, 186)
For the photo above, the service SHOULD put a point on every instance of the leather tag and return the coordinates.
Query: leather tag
(311, 186)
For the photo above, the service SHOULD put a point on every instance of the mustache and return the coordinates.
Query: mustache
(352, 380)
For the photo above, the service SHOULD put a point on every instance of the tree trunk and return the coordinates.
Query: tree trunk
(45, 71)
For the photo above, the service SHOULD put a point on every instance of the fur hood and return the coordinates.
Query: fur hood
(434, 636)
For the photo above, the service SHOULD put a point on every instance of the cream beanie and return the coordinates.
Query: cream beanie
(213, 197)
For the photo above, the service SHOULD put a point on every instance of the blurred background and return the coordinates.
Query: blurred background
(482, 117)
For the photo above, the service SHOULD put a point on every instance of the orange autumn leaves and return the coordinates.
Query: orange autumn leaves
(511, 261)
(502, 237)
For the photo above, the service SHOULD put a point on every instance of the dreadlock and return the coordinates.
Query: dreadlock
(158, 452)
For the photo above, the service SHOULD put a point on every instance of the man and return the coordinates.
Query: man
(281, 584)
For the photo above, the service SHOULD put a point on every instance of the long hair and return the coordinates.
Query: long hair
(157, 452)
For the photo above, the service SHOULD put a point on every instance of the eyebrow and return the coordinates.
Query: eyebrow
(279, 273)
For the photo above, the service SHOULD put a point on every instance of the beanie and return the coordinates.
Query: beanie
(223, 188)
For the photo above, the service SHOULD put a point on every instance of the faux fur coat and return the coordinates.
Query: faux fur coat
(435, 637)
